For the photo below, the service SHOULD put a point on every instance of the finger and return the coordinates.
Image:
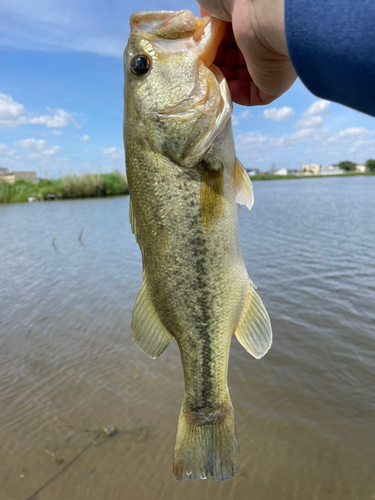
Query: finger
(246, 93)
(219, 58)
(241, 59)
(230, 57)
(229, 36)
(243, 74)
(229, 73)
(240, 92)
(202, 12)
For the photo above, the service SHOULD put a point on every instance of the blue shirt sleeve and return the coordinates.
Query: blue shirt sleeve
(332, 47)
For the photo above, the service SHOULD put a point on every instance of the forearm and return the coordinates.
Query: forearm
(332, 47)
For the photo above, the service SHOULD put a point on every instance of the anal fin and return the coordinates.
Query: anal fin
(149, 333)
(254, 330)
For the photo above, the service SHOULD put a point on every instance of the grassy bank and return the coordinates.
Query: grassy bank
(96, 185)
(85, 186)
(273, 177)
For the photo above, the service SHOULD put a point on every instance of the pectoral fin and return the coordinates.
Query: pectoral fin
(149, 333)
(254, 331)
(243, 187)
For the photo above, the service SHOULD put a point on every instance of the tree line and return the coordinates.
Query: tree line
(350, 166)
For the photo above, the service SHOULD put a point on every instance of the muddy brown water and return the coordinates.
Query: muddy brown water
(305, 413)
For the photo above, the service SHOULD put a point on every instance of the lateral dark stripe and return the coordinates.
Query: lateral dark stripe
(202, 323)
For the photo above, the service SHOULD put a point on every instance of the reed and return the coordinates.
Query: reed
(85, 186)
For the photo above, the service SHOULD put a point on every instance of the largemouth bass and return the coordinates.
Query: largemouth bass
(185, 183)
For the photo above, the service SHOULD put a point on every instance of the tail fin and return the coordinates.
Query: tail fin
(206, 448)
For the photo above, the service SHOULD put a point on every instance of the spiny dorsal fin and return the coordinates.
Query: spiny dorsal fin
(243, 187)
(254, 331)
(212, 198)
(149, 333)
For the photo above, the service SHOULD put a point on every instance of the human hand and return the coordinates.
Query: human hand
(253, 55)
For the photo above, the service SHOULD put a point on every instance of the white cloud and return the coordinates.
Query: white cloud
(352, 133)
(4, 149)
(235, 120)
(10, 111)
(312, 122)
(319, 143)
(278, 114)
(114, 153)
(38, 147)
(305, 136)
(317, 108)
(56, 132)
(353, 139)
(33, 156)
(60, 118)
(84, 138)
(252, 145)
(245, 114)
(366, 149)
(13, 114)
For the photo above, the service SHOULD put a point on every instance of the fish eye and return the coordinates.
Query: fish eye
(140, 64)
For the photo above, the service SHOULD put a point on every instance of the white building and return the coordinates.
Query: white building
(12, 177)
(281, 171)
(360, 167)
(331, 170)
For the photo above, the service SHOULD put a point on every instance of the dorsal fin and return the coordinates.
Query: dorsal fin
(243, 187)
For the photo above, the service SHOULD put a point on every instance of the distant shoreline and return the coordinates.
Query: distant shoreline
(103, 185)
(274, 177)
(69, 187)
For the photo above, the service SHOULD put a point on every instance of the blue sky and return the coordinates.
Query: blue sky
(61, 97)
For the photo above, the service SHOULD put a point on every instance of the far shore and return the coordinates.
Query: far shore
(101, 185)
(275, 177)
(68, 187)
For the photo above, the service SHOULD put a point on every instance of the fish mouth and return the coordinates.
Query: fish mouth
(209, 34)
(204, 34)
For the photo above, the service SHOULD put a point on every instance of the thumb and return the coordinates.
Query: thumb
(202, 12)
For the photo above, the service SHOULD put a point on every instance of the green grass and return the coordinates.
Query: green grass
(85, 186)
(95, 185)
(273, 177)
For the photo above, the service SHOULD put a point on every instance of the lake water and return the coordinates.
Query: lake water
(305, 413)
